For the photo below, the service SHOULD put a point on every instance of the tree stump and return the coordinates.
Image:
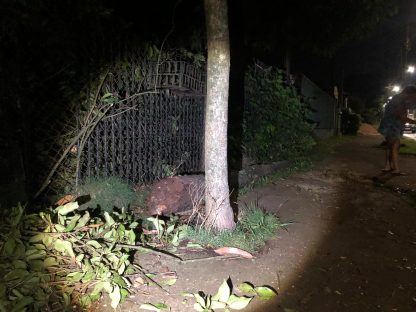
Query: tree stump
(176, 194)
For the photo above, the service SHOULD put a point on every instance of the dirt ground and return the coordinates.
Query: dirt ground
(351, 246)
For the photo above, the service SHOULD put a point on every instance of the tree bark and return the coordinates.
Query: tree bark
(218, 210)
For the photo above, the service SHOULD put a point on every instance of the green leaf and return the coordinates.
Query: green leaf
(38, 254)
(106, 95)
(85, 300)
(50, 261)
(17, 215)
(246, 287)
(161, 305)
(89, 276)
(217, 305)
(150, 275)
(224, 292)
(17, 293)
(60, 228)
(102, 285)
(170, 228)
(83, 220)
(121, 269)
(238, 303)
(94, 243)
(19, 264)
(198, 307)
(36, 265)
(153, 307)
(115, 297)
(121, 231)
(9, 246)
(79, 258)
(187, 294)
(132, 237)
(48, 241)
(39, 246)
(15, 274)
(75, 276)
(67, 299)
(200, 300)
(108, 219)
(124, 294)
(73, 223)
(133, 225)
(64, 246)
(19, 305)
(67, 208)
(193, 245)
(37, 238)
(265, 292)
(169, 282)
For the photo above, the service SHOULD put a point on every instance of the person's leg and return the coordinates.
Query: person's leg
(394, 163)
(388, 162)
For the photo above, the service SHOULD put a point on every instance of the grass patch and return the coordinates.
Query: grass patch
(254, 228)
(107, 193)
(408, 146)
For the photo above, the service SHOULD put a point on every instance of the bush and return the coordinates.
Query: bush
(350, 122)
(107, 193)
(274, 126)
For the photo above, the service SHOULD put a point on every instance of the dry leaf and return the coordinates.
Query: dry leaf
(64, 200)
(234, 251)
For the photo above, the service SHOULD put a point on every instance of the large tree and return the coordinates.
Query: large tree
(218, 209)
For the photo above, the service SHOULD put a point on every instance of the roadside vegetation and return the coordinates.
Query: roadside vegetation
(65, 258)
(408, 146)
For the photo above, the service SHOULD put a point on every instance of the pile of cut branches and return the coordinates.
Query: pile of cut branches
(53, 260)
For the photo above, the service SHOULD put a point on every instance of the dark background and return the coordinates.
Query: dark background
(50, 49)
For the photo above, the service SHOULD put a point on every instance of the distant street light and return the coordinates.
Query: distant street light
(410, 69)
(396, 88)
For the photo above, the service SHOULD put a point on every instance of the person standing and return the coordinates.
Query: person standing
(392, 123)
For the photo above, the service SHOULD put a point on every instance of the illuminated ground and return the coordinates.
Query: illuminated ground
(352, 246)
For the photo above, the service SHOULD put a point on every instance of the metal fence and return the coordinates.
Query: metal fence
(157, 134)
(161, 135)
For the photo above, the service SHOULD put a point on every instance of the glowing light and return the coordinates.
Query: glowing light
(390, 97)
(410, 69)
(396, 88)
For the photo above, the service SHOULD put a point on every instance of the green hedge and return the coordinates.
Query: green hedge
(274, 126)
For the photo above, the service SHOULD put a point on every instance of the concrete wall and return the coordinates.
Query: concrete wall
(324, 108)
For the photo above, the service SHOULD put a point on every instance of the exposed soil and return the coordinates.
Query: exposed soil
(351, 247)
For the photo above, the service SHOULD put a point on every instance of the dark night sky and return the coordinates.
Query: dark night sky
(375, 58)
(367, 65)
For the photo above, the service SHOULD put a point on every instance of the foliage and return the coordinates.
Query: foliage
(107, 193)
(255, 226)
(157, 307)
(225, 299)
(61, 257)
(167, 233)
(407, 146)
(274, 122)
(350, 122)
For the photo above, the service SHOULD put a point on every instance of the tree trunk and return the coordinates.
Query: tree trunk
(218, 210)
